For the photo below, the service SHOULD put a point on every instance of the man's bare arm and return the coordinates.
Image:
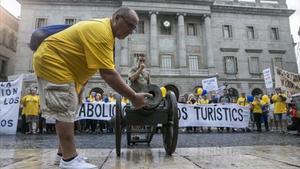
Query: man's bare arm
(114, 80)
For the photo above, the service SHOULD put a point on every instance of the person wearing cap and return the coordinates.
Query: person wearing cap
(65, 61)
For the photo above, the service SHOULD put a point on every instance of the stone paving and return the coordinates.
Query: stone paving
(228, 150)
(247, 157)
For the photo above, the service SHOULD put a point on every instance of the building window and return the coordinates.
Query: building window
(194, 62)
(254, 65)
(250, 32)
(227, 31)
(140, 29)
(278, 62)
(166, 61)
(40, 22)
(70, 21)
(191, 29)
(165, 28)
(231, 66)
(275, 33)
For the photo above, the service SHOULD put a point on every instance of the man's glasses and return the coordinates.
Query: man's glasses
(130, 25)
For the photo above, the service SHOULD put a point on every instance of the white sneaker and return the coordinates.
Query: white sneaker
(58, 158)
(76, 163)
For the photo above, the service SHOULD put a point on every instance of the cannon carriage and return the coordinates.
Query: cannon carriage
(159, 110)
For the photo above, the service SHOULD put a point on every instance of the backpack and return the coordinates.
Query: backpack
(40, 34)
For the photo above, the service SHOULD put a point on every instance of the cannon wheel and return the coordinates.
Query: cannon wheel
(170, 129)
(118, 128)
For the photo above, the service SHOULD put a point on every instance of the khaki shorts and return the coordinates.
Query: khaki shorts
(58, 101)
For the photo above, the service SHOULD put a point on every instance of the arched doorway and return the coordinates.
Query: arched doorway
(256, 91)
(174, 89)
(97, 90)
(233, 93)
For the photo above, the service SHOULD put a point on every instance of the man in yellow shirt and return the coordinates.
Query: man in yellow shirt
(280, 110)
(242, 101)
(31, 106)
(257, 112)
(65, 61)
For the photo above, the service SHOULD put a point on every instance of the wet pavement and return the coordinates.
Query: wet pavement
(214, 150)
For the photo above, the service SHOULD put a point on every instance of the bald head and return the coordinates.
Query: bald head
(124, 21)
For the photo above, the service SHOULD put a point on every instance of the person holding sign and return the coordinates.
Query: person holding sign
(65, 61)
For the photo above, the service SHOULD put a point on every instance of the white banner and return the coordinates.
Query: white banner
(10, 96)
(97, 111)
(210, 84)
(214, 115)
(287, 80)
(268, 78)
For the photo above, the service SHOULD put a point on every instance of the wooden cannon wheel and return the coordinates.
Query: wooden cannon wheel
(118, 127)
(170, 129)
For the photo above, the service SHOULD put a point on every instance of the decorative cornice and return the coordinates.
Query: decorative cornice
(229, 49)
(74, 2)
(253, 50)
(114, 2)
(277, 51)
(190, 2)
(252, 10)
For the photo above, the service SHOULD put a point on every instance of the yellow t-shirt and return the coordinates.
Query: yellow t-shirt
(202, 101)
(125, 100)
(76, 53)
(279, 104)
(31, 105)
(242, 101)
(111, 99)
(256, 107)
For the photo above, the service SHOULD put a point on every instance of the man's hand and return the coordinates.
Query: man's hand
(139, 100)
(142, 66)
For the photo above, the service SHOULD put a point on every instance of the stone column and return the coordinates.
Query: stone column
(154, 40)
(124, 52)
(209, 51)
(181, 49)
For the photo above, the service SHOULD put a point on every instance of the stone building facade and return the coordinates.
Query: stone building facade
(184, 41)
(8, 43)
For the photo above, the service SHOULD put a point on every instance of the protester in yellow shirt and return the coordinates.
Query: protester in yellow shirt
(257, 112)
(242, 101)
(280, 110)
(125, 100)
(204, 100)
(111, 97)
(65, 61)
(31, 107)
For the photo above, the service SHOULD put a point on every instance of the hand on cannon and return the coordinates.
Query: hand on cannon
(140, 100)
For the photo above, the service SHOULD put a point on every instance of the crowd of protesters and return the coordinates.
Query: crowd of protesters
(276, 112)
